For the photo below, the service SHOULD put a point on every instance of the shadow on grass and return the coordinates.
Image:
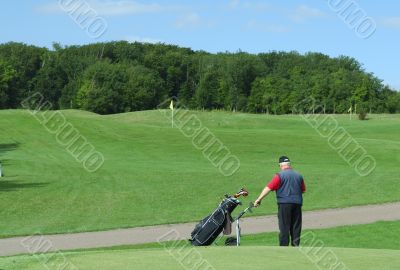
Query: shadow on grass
(6, 147)
(6, 186)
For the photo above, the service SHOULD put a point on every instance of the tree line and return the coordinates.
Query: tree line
(115, 77)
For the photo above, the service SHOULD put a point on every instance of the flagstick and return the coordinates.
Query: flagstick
(172, 118)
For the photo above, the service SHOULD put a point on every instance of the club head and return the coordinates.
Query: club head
(242, 192)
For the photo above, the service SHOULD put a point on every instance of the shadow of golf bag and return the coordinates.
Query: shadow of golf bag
(208, 229)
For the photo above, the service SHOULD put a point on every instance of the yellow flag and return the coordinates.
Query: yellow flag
(349, 111)
(171, 106)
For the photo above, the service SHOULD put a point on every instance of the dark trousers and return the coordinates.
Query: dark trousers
(290, 219)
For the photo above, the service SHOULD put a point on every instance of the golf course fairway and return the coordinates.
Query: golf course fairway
(153, 174)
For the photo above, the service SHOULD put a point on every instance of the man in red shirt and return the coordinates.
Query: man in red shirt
(289, 187)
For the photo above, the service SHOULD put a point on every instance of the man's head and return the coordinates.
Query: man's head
(284, 162)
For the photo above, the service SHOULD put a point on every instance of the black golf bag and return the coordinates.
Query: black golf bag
(205, 233)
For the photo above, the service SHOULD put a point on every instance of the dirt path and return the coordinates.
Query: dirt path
(311, 220)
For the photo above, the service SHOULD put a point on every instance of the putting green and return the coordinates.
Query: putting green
(152, 174)
(213, 258)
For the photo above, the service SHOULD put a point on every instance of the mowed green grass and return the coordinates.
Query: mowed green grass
(260, 257)
(154, 175)
(255, 252)
(379, 235)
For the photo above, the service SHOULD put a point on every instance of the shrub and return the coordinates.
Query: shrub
(362, 116)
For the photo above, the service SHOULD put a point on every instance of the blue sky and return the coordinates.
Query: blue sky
(227, 25)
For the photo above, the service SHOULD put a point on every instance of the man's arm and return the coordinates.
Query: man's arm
(273, 185)
(264, 193)
(303, 186)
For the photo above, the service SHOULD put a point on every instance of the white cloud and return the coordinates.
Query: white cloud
(103, 7)
(391, 22)
(192, 20)
(304, 13)
(124, 7)
(395, 85)
(51, 8)
(240, 4)
(234, 4)
(143, 39)
(267, 27)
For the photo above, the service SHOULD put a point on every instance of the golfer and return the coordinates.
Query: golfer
(289, 186)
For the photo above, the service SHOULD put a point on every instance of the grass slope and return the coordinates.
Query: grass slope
(152, 174)
(214, 258)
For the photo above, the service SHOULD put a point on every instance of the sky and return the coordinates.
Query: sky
(369, 31)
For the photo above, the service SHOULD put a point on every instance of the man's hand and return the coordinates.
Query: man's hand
(257, 203)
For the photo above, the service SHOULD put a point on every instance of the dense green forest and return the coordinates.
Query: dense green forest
(120, 76)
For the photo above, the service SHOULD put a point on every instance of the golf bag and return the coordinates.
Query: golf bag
(208, 229)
